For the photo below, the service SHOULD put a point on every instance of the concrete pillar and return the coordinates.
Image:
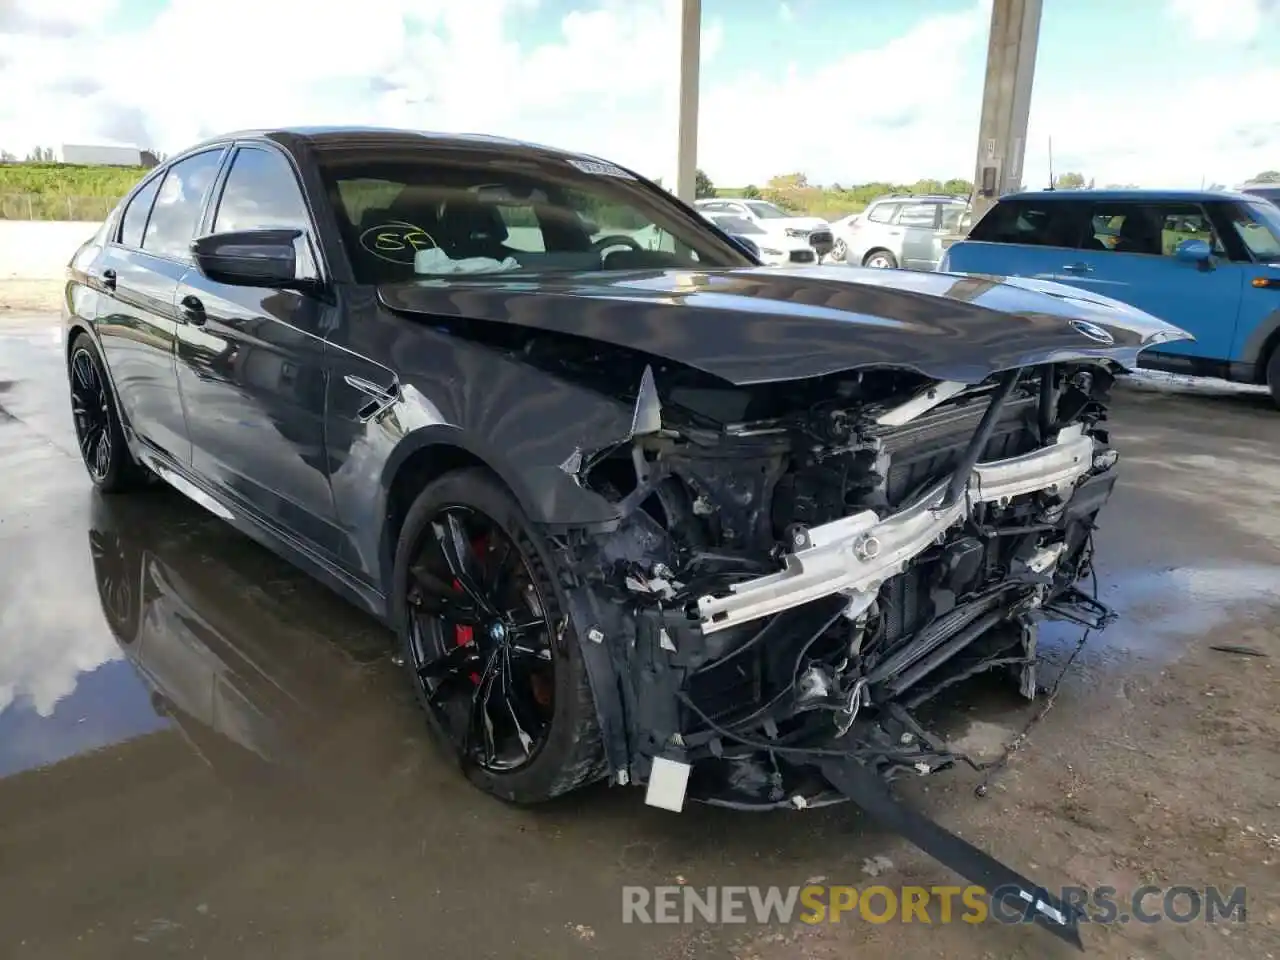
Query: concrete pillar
(687, 145)
(1006, 100)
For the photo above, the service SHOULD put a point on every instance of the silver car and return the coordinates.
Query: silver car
(902, 231)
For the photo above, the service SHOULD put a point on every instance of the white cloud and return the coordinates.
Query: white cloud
(1217, 135)
(47, 647)
(1216, 21)
(786, 12)
(604, 83)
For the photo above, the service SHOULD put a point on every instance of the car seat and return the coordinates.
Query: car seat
(1139, 233)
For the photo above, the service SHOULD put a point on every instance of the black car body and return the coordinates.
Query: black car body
(756, 515)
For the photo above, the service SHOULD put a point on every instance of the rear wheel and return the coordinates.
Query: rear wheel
(491, 653)
(1273, 374)
(880, 260)
(99, 433)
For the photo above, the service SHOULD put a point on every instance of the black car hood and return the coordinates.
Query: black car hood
(765, 324)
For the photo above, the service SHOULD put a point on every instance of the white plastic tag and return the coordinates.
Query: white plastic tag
(667, 783)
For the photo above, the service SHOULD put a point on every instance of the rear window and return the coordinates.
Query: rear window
(1053, 223)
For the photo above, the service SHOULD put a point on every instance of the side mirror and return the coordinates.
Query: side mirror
(248, 258)
(1193, 251)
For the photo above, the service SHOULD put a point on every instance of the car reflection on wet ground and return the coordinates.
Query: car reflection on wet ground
(203, 752)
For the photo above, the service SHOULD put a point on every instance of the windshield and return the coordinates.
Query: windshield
(765, 211)
(736, 225)
(411, 211)
(1258, 225)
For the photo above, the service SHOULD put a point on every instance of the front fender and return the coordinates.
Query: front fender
(549, 494)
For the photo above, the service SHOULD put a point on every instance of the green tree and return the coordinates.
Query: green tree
(1268, 176)
(1069, 181)
(751, 192)
(702, 185)
(789, 181)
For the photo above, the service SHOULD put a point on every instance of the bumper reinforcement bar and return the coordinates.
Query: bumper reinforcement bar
(1019, 897)
(856, 554)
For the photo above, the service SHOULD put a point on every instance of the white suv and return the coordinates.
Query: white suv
(774, 220)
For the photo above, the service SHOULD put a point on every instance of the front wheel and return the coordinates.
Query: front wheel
(491, 653)
(839, 251)
(880, 260)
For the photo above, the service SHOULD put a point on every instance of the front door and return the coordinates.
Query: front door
(1130, 256)
(251, 366)
(138, 322)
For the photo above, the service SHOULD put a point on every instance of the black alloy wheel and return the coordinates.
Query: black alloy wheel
(480, 640)
(99, 433)
(91, 408)
(488, 644)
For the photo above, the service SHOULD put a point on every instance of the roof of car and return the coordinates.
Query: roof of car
(898, 197)
(1187, 196)
(322, 136)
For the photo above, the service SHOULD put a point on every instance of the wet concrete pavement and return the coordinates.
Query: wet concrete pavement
(204, 753)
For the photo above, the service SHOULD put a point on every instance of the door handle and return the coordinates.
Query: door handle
(1077, 268)
(109, 278)
(192, 311)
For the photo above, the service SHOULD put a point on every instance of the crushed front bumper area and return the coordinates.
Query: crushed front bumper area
(856, 554)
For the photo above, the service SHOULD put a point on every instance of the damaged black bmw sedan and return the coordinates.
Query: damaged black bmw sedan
(636, 506)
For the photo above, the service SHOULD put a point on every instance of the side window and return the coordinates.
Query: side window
(135, 215)
(883, 212)
(262, 193)
(1258, 226)
(1055, 223)
(918, 215)
(178, 205)
(951, 216)
(1148, 228)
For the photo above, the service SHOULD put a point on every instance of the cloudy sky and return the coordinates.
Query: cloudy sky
(1156, 92)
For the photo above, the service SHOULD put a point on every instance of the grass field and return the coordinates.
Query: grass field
(62, 191)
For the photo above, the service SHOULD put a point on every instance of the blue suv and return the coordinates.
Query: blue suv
(1206, 262)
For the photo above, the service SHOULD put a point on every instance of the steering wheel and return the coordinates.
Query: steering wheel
(615, 240)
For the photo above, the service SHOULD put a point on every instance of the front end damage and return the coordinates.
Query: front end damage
(800, 566)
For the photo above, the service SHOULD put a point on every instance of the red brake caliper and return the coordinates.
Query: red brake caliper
(464, 634)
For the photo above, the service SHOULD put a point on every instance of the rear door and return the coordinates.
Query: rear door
(251, 365)
(921, 235)
(1128, 254)
(137, 320)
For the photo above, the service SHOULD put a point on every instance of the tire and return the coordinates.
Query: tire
(96, 420)
(570, 752)
(839, 251)
(1273, 374)
(880, 260)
